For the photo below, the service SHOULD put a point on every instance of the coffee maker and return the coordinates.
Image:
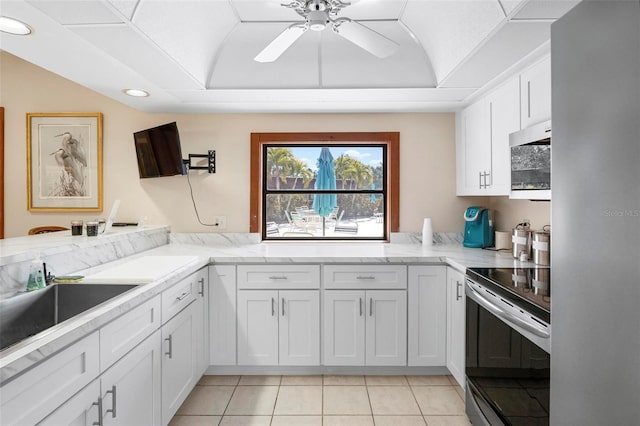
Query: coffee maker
(478, 227)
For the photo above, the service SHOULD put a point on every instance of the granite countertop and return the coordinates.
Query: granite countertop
(206, 249)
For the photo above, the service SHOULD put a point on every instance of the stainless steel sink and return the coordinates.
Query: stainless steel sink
(30, 313)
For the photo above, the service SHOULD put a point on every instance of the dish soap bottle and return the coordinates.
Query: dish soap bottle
(36, 275)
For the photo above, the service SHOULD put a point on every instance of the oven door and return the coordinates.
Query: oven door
(507, 369)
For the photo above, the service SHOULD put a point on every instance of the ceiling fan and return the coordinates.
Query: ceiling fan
(318, 14)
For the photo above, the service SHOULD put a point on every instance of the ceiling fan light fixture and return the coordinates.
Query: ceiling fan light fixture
(317, 20)
(13, 26)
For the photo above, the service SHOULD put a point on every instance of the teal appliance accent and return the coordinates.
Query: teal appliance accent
(478, 227)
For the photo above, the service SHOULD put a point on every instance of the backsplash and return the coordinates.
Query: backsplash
(65, 254)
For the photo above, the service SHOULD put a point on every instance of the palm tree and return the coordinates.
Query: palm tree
(299, 169)
(362, 177)
(278, 162)
(342, 166)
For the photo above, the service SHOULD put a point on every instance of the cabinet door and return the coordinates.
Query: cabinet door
(535, 93)
(344, 327)
(131, 387)
(201, 321)
(386, 327)
(32, 396)
(257, 327)
(222, 314)
(178, 361)
(504, 105)
(476, 147)
(299, 327)
(456, 324)
(81, 410)
(427, 315)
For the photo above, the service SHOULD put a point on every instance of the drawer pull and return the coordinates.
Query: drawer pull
(182, 296)
(458, 287)
(170, 353)
(283, 306)
(278, 277)
(371, 306)
(113, 401)
(99, 404)
(365, 277)
(360, 306)
(201, 292)
(273, 307)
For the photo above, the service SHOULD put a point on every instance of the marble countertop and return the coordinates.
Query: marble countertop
(220, 250)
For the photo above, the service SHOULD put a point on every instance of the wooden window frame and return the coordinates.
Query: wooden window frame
(390, 139)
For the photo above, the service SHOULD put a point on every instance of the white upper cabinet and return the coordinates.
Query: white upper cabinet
(474, 149)
(483, 161)
(505, 119)
(535, 94)
(483, 165)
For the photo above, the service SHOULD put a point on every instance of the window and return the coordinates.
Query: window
(333, 186)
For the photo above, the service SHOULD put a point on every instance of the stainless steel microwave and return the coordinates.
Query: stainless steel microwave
(531, 162)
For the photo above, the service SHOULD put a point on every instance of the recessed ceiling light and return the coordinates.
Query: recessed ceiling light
(13, 26)
(138, 93)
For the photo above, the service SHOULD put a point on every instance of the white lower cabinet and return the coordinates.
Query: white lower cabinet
(29, 398)
(427, 296)
(201, 321)
(365, 327)
(179, 360)
(128, 393)
(278, 327)
(456, 318)
(222, 315)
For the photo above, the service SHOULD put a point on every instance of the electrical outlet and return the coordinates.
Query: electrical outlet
(220, 222)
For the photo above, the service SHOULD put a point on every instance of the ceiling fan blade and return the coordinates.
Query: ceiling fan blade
(366, 38)
(281, 43)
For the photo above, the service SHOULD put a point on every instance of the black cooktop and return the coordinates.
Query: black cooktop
(530, 287)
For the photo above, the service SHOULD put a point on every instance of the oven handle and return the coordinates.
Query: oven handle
(473, 293)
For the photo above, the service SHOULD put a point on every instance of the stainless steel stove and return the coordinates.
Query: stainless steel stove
(508, 344)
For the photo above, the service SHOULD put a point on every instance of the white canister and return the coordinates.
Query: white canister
(427, 232)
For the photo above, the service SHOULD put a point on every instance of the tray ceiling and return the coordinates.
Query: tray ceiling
(197, 56)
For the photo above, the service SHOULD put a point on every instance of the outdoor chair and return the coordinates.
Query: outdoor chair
(296, 221)
(272, 228)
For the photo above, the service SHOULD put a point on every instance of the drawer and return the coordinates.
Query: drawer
(365, 276)
(126, 332)
(178, 297)
(278, 276)
(39, 391)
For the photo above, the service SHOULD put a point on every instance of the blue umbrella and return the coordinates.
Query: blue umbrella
(324, 204)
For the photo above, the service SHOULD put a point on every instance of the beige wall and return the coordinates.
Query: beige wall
(427, 151)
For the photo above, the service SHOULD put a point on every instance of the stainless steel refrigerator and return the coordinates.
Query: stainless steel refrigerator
(595, 210)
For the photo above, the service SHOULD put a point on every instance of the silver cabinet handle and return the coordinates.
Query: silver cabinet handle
(113, 401)
(273, 307)
(182, 296)
(99, 404)
(170, 353)
(371, 306)
(361, 306)
(458, 287)
(201, 292)
(278, 277)
(283, 306)
(365, 277)
(480, 180)
(529, 98)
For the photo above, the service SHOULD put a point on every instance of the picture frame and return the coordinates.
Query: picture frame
(64, 162)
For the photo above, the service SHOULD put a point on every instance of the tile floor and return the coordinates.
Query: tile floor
(324, 401)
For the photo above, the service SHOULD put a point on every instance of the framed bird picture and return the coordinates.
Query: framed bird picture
(64, 162)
